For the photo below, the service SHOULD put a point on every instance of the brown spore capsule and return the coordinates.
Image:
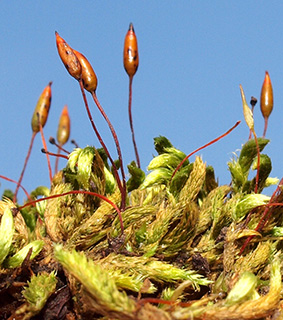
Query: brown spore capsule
(63, 132)
(266, 100)
(68, 57)
(89, 78)
(41, 110)
(266, 97)
(131, 55)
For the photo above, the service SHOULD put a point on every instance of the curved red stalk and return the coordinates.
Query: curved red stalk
(101, 141)
(131, 121)
(123, 203)
(62, 149)
(250, 135)
(52, 141)
(74, 143)
(59, 149)
(265, 216)
(25, 165)
(11, 180)
(265, 126)
(57, 155)
(157, 301)
(204, 146)
(57, 160)
(269, 204)
(78, 192)
(45, 147)
(258, 162)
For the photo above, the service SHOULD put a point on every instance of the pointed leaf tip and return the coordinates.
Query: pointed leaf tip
(247, 111)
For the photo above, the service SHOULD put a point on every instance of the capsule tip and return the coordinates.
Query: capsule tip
(267, 77)
(58, 38)
(65, 109)
(131, 27)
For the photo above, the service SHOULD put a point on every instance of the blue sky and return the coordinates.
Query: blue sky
(193, 56)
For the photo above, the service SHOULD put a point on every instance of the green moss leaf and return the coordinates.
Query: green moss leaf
(158, 176)
(164, 160)
(249, 152)
(180, 179)
(7, 230)
(264, 171)
(243, 290)
(160, 143)
(39, 289)
(17, 259)
(247, 203)
(137, 176)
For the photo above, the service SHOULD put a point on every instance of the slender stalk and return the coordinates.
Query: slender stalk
(74, 143)
(57, 155)
(253, 102)
(131, 121)
(265, 126)
(258, 162)
(116, 142)
(57, 160)
(115, 170)
(113, 134)
(45, 147)
(265, 216)
(143, 301)
(25, 165)
(11, 180)
(52, 141)
(204, 146)
(79, 192)
(250, 135)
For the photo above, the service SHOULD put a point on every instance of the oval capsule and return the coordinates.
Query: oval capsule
(42, 108)
(68, 57)
(63, 132)
(266, 97)
(89, 78)
(131, 55)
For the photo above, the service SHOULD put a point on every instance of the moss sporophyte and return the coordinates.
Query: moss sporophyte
(169, 243)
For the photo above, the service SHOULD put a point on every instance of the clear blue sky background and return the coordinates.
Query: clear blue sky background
(193, 56)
